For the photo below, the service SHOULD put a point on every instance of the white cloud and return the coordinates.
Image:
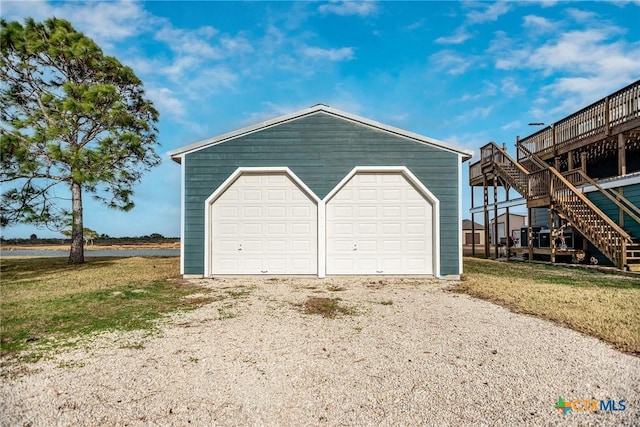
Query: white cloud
(510, 87)
(460, 36)
(538, 23)
(415, 25)
(166, 102)
(469, 140)
(104, 22)
(488, 13)
(344, 8)
(582, 15)
(341, 54)
(512, 125)
(236, 46)
(450, 62)
(190, 42)
(488, 90)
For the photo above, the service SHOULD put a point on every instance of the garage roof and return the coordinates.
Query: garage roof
(177, 154)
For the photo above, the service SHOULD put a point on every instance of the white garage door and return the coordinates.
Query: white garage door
(378, 223)
(264, 224)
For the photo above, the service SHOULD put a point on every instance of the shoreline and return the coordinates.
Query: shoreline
(119, 246)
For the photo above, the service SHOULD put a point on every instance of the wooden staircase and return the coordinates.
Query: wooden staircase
(543, 182)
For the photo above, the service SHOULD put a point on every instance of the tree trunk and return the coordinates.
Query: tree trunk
(76, 256)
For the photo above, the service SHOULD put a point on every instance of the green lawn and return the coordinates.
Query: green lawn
(45, 298)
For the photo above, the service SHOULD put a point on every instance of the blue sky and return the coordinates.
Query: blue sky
(463, 72)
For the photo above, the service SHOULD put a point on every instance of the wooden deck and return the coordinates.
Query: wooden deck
(608, 127)
(599, 141)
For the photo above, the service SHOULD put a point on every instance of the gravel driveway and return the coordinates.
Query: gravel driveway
(410, 352)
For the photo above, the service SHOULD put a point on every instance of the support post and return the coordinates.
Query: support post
(570, 160)
(583, 162)
(473, 226)
(495, 215)
(552, 234)
(507, 225)
(530, 235)
(607, 117)
(486, 217)
(622, 155)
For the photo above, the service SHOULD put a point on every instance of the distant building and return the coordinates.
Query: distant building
(472, 234)
(516, 222)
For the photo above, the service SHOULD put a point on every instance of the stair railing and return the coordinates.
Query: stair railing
(587, 218)
(511, 170)
(577, 177)
(581, 212)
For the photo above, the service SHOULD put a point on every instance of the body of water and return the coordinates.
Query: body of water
(91, 253)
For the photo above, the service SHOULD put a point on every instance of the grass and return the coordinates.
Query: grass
(44, 300)
(325, 307)
(606, 306)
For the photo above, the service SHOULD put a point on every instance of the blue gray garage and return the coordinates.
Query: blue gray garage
(321, 192)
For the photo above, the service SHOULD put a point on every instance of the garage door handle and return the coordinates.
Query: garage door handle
(264, 271)
(355, 246)
(379, 271)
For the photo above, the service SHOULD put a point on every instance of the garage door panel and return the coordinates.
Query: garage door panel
(391, 194)
(276, 212)
(391, 233)
(341, 245)
(368, 194)
(391, 211)
(343, 211)
(273, 223)
(252, 195)
(251, 229)
(301, 246)
(365, 245)
(394, 178)
(416, 228)
(301, 212)
(279, 179)
(277, 229)
(277, 246)
(228, 212)
(392, 245)
(369, 264)
(277, 195)
(251, 212)
(302, 229)
(301, 264)
(226, 230)
(420, 246)
(249, 245)
(417, 212)
(366, 212)
(391, 228)
(228, 245)
(392, 265)
(367, 229)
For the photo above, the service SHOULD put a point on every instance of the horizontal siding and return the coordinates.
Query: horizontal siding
(321, 150)
(632, 193)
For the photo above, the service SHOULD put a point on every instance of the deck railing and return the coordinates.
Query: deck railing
(475, 171)
(598, 118)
